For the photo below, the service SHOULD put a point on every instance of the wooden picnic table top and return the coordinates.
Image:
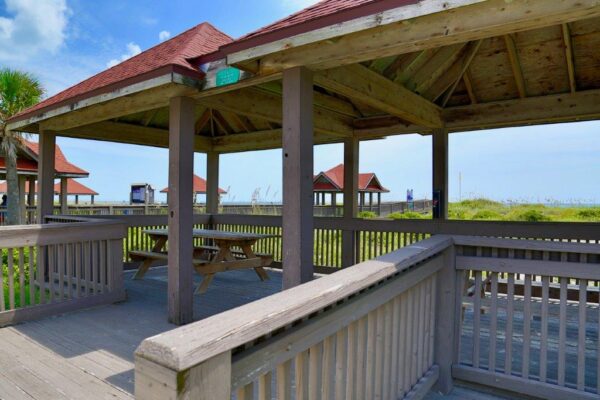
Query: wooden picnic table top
(215, 234)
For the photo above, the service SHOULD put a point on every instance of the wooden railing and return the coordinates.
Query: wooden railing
(367, 332)
(58, 267)
(517, 315)
(531, 316)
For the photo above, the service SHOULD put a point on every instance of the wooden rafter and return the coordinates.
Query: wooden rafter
(473, 47)
(149, 117)
(359, 82)
(435, 67)
(481, 20)
(469, 85)
(202, 121)
(515, 64)
(243, 122)
(407, 66)
(222, 123)
(260, 104)
(569, 56)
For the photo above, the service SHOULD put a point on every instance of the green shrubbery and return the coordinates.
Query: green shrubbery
(367, 214)
(408, 215)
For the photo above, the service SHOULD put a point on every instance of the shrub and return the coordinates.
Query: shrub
(406, 215)
(479, 203)
(367, 215)
(589, 214)
(532, 216)
(487, 215)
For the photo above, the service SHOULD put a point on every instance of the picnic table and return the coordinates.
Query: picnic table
(231, 251)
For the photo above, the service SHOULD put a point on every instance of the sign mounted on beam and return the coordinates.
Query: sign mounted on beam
(227, 76)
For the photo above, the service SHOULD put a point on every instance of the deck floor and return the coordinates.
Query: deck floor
(88, 354)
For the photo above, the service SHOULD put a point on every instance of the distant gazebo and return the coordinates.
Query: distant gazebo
(74, 188)
(332, 182)
(27, 169)
(199, 188)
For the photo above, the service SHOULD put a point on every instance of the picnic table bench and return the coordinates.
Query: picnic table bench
(231, 251)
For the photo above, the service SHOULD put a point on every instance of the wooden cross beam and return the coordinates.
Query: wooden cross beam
(359, 82)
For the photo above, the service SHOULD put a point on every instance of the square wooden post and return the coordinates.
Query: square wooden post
(31, 191)
(181, 222)
(47, 143)
(22, 200)
(440, 171)
(351, 155)
(212, 183)
(64, 206)
(448, 306)
(297, 247)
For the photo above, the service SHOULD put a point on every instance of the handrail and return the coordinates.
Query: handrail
(190, 345)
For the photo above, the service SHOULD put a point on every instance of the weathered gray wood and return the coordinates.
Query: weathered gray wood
(297, 220)
(424, 385)
(209, 380)
(64, 206)
(519, 385)
(212, 182)
(351, 162)
(181, 171)
(440, 168)
(45, 198)
(446, 342)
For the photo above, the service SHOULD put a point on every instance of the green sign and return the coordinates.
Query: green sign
(228, 76)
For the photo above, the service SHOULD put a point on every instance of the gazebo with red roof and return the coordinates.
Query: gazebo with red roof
(27, 170)
(74, 188)
(332, 182)
(200, 187)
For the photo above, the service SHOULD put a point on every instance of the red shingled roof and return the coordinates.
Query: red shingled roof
(199, 186)
(333, 180)
(73, 188)
(61, 164)
(320, 15)
(171, 55)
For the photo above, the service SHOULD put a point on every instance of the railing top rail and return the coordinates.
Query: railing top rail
(46, 234)
(522, 244)
(192, 344)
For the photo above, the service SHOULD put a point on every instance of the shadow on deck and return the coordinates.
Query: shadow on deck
(89, 354)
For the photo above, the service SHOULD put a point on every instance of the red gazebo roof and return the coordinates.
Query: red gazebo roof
(172, 55)
(333, 181)
(73, 188)
(199, 186)
(27, 161)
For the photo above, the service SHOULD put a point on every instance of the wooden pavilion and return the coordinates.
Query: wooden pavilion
(199, 188)
(74, 188)
(341, 72)
(332, 182)
(27, 169)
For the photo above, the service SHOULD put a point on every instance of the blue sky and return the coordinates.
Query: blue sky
(65, 41)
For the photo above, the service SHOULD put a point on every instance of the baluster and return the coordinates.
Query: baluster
(582, 333)
(32, 258)
(246, 392)
(22, 302)
(328, 368)
(544, 328)
(476, 318)
(340, 364)
(264, 386)
(562, 332)
(11, 279)
(493, 322)
(361, 339)
(510, 298)
(315, 372)
(526, 326)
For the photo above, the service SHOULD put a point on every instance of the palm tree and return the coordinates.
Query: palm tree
(18, 91)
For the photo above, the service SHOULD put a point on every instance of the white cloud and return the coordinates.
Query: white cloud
(132, 50)
(164, 35)
(32, 26)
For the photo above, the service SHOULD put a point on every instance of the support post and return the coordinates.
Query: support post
(31, 191)
(47, 144)
(76, 199)
(333, 204)
(92, 200)
(212, 183)
(181, 167)
(379, 203)
(440, 173)
(446, 336)
(64, 206)
(297, 247)
(22, 200)
(351, 155)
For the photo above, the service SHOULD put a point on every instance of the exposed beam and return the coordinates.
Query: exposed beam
(117, 107)
(149, 117)
(569, 56)
(462, 24)
(320, 100)
(222, 122)
(131, 134)
(410, 64)
(456, 74)
(569, 107)
(437, 65)
(259, 140)
(359, 82)
(469, 85)
(515, 64)
(268, 106)
(202, 121)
